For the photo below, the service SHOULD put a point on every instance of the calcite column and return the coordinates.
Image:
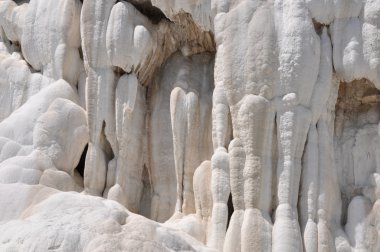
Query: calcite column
(254, 128)
(220, 189)
(292, 125)
(202, 196)
(249, 91)
(299, 56)
(221, 125)
(100, 92)
(220, 178)
(180, 132)
(237, 160)
(184, 110)
(130, 119)
(309, 192)
(308, 202)
(329, 201)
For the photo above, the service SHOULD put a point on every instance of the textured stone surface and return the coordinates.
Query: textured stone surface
(199, 125)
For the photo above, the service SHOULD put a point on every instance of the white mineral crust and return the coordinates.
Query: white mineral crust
(190, 125)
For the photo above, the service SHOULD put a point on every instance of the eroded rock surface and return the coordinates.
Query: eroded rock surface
(213, 125)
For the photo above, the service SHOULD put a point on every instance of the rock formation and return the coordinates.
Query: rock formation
(199, 125)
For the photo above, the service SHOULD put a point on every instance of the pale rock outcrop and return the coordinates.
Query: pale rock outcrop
(82, 223)
(12, 20)
(49, 44)
(220, 190)
(100, 86)
(356, 47)
(130, 37)
(203, 197)
(326, 11)
(130, 118)
(18, 83)
(51, 159)
(236, 164)
(198, 9)
(239, 125)
(32, 110)
(198, 225)
(181, 104)
(185, 121)
(13, 95)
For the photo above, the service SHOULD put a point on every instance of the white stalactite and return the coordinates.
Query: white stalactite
(183, 104)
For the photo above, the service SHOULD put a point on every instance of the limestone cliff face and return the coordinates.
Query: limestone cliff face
(199, 125)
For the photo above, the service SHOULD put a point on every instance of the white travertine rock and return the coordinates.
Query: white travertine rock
(308, 200)
(130, 118)
(257, 172)
(32, 110)
(198, 225)
(184, 116)
(236, 163)
(202, 196)
(17, 82)
(82, 223)
(327, 10)
(200, 10)
(357, 215)
(177, 146)
(129, 37)
(12, 19)
(62, 119)
(53, 158)
(51, 44)
(100, 86)
(239, 125)
(220, 190)
(13, 86)
(356, 46)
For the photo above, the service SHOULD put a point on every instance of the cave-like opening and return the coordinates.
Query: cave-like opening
(82, 162)
(230, 206)
(154, 14)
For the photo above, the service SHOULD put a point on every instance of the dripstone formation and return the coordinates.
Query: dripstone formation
(197, 125)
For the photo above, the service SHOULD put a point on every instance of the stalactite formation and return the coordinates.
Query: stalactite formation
(199, 125)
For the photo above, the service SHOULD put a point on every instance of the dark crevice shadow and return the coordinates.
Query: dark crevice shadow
(19, 2)
(82, 161)
(230, 206)
(154, 14)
